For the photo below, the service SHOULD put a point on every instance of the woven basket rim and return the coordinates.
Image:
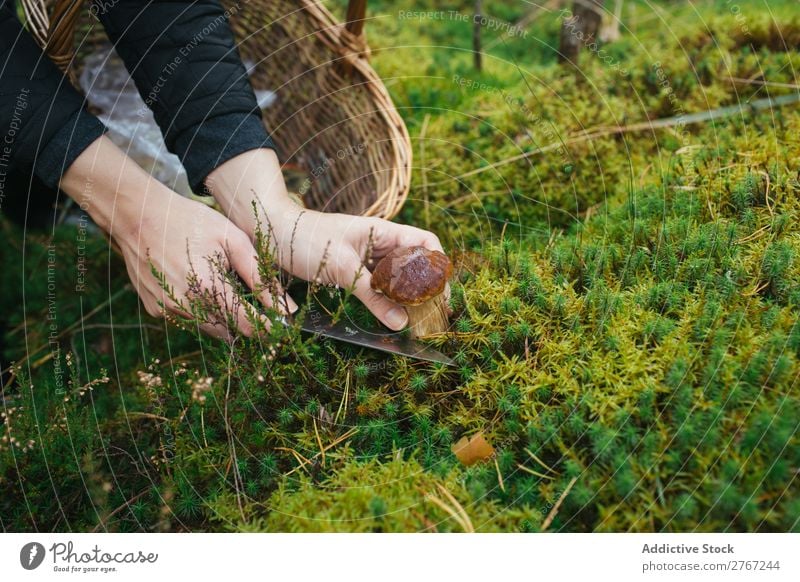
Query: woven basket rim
(389, 112)
(347, 49)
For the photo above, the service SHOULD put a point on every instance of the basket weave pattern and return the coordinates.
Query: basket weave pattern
(332, 116)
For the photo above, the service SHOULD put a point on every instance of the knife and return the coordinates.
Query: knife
(320, 323)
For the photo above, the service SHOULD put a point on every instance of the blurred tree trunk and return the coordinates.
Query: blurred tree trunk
(610, 30)
(580, 29)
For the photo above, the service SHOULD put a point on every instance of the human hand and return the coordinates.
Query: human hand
(193, 246)
(341, 250)
(182, 239)
(334, 249)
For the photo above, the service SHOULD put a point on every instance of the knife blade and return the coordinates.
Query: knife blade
(320, 323)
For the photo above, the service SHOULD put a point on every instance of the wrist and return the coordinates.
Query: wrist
(253, 179)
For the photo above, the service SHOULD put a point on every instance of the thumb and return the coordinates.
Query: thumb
(389, 313)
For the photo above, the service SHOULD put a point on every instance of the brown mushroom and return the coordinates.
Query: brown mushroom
(415, 278)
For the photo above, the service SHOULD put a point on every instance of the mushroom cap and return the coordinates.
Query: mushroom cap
(411, 275)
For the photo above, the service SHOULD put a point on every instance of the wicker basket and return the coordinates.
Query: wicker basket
(332, 118)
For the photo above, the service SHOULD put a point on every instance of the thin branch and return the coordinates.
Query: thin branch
(553, 512)
(605, 131)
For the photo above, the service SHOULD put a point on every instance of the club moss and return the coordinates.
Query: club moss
(625, 324)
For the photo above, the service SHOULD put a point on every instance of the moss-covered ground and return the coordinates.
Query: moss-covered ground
(626, 315)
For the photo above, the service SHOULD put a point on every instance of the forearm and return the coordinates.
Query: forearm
(254, 178)
(325, 247)
(118, 195)
(157, 229)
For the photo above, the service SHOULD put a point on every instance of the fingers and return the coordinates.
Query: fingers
(242, 257)
(401, 235)
(160, 309)
(239, 314)
(239, 311)
(408, 236)
(229, 304)
(217, 331)
(390, 235)
(389, 313)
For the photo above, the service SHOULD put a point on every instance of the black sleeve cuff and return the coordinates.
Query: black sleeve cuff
(77, 133)
(215, 141)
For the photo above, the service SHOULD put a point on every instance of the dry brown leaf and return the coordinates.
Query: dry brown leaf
(473, 449)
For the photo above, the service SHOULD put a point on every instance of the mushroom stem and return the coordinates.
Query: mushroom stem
(428, 318)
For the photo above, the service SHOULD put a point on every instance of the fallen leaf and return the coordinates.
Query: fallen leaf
(472, 450)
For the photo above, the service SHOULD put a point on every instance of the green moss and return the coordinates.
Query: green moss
(631, 324)
(390, 497)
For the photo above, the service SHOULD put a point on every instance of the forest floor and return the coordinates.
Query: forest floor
(626, 313)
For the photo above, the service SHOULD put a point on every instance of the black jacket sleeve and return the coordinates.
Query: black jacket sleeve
(182, 57)
(43, 123)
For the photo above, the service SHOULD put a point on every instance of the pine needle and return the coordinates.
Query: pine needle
(553, 512)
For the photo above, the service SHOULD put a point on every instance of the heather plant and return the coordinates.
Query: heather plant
(625, 332)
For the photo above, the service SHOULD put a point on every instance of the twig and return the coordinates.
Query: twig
(538, 460)
(325, 449)
(767, 83)
(458, 507)
(532, 472)
(476, 37)
(757, 289)
(499, 476)
(319, 441)
(237, 476)
(298, 457)
(118, 509)
(343, 403)
(766, 193)
(429, 525)
(605, 131)
(456, 511)
(553, 512)
(450, 511)
(203, 426)
(523, 22)
(147, 415)
(754, 235)
(67, 330)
